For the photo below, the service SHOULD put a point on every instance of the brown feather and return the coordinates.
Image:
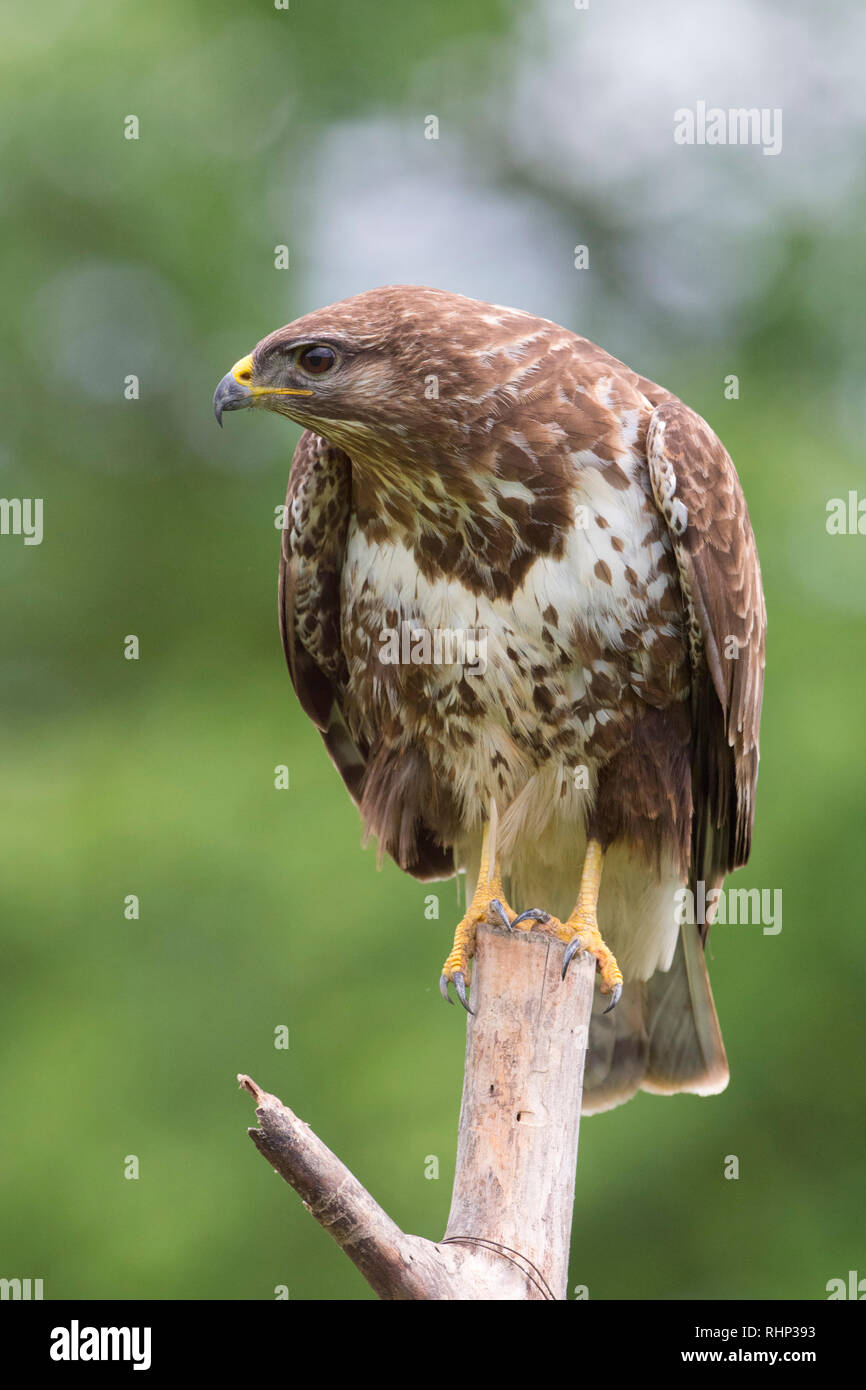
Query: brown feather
(612, 637)
(318, 504)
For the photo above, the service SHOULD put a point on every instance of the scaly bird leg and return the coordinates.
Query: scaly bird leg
(488, 905)
(580, 932)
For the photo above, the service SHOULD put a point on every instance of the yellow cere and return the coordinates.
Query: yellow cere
(242, 372)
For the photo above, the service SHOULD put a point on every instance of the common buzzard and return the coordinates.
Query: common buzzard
(473, 475)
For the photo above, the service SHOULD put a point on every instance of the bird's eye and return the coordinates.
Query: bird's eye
(317, 360)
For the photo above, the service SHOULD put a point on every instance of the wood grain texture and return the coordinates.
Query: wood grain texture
(520, 1116)
(508, 1232)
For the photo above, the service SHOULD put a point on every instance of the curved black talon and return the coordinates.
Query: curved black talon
(534, 913)
(460, 986)
(459, 983)
(498, 908)
(571, 951)
(617, 992)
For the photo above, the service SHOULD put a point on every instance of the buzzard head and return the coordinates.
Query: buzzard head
(403, 372)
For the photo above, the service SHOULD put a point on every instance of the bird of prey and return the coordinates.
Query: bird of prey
(520, 599)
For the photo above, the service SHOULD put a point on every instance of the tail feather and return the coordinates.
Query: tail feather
(666, 1040)
(686, 1052)
(616, 1059)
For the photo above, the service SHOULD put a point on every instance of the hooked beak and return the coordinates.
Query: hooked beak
(235, 391)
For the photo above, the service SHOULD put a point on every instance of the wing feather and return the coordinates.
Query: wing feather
(318, 509)
(698, 492)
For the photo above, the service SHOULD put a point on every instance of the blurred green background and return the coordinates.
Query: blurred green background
(305, 127)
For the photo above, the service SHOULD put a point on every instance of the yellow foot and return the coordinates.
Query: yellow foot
(487, 906)
(580, 933)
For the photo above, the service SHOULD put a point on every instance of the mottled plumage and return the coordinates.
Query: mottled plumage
(471, 467)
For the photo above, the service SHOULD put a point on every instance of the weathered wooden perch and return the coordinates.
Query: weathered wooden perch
(509, 1228)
